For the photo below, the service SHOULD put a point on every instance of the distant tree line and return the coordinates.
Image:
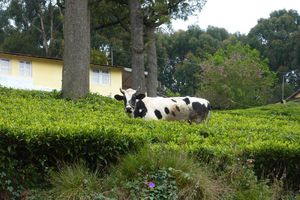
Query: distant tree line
(235, 69)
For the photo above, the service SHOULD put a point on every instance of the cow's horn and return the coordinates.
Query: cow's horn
(122, 91)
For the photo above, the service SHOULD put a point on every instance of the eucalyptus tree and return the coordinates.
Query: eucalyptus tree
(118, 25)
(157, 13)
(144, 17)
(75, 80)
(36, 24)
(137, 44)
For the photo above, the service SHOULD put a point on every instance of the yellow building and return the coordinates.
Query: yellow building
(40, 73)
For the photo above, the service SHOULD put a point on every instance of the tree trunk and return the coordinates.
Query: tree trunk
(137, 45)
(75, 79)
(152, 82)
(43, 31)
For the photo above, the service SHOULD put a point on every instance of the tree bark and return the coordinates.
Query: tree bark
(43, 32)
(137, 45)
(75, 77)
(152, 82)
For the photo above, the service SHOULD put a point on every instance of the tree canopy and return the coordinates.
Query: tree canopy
(236, 76)
(181, 57)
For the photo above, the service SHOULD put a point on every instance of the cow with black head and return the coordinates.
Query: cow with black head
(192, 109)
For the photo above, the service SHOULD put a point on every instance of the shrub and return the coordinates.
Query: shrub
(161, 173)
(244, 183)
(75, 182)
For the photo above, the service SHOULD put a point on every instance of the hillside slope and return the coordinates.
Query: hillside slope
(41, 130)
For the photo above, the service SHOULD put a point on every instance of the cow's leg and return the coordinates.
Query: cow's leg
(207, 117)
(198, 120)
(202, 117)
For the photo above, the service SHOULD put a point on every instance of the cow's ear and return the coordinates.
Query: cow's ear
(140, 96)
(119, 97)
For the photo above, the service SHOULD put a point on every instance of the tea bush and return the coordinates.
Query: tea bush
(39, 131)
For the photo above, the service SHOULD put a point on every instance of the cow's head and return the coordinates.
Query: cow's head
(129, 96)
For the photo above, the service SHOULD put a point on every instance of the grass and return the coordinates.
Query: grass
(183, 176)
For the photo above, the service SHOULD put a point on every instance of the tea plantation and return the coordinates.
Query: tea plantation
(39, 131)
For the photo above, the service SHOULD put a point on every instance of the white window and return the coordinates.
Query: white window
(101, 77)
(5, 66)
(25, 68)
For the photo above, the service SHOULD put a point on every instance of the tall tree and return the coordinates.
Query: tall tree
(39, 25)
(157, 13)
(273, 37)
(75, 80)
(152, 80)
(137, 45)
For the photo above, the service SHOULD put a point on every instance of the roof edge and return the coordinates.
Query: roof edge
(54, 58)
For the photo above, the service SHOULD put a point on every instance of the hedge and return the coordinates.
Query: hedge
(39, 131)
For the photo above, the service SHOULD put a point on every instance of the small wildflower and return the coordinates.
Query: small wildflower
(151, 185)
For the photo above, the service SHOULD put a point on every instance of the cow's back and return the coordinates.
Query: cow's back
(173, 108)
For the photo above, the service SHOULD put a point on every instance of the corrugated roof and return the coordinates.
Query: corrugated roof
(293, 95)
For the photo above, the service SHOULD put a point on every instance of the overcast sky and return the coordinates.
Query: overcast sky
(235, 15)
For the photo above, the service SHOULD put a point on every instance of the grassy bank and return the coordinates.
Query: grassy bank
(39, 131)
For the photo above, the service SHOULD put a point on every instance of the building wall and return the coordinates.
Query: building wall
(111, 89)
(47, 75)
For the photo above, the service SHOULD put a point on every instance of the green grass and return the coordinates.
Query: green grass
(43, 129)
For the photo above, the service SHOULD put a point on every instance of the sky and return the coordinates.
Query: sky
(235, 15)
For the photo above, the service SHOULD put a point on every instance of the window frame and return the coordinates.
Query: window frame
(9, 72)
(30, 69)
(99, 79)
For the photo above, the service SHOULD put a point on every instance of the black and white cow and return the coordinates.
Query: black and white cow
(192, 109)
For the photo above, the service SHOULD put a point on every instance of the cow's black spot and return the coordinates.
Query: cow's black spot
(167, 111)
(174, 100)
(177, 108)
(158, 114)
(173, 113)
(187, 101)
(140, 110)
(132, 100)
(198, 107)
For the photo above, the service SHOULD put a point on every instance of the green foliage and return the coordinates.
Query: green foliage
(188, 76)
(39, 131)
(236, 77)
(275, 38)
(34, 23)
(98, 57)
(35, 138)
(75, 182)
(173, 174)
(182, 50)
